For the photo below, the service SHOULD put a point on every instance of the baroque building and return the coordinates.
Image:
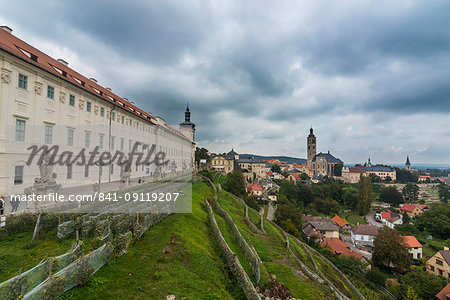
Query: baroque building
(43, 102)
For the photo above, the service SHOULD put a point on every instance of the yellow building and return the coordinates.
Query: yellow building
(439, 263)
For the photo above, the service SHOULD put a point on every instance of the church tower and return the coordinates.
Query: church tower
(311, 147)
(407, 164)
(187, 127)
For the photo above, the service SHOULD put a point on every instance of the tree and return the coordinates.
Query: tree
(275, 168)
(390, 250)
(235, 184)
(391, 195)
(411, 192)
(201, 153)
(405, 176)
(436, 221)
(375, 178)
(350, 197)
(338, 169)
(425, 285)
(365, 195)
(444, 193)
(289, 218)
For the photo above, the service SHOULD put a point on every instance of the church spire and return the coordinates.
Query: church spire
(187, 114)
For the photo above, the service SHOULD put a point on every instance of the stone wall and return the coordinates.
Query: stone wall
(231, 259)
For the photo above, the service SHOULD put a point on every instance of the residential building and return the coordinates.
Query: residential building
(414, 247)
(384, 172)
(413, 210)
(391, 219)
(363, 235)
(253, 166)
(44, 102)
(324, 226)
(343, 225)
(439, 263)
(352, 174)
(272, 196)
(255, 190)
(339, 247)
(224, 163)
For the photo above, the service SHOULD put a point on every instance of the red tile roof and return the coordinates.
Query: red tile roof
(408, 207)
(341, 222)
(339, 247)
(18, 48)
(444, 294)
(411, 241)
(256, 187)
(385, 215)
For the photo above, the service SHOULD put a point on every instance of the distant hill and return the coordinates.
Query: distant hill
(287, 159)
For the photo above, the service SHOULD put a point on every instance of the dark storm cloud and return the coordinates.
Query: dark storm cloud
(264, 63)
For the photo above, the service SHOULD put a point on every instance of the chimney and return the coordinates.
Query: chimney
(6, 28)
(445, 248)
(63, 61)
(93, 79)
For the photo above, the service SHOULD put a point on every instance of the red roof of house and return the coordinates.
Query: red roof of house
(256, 187)
(408, 207)
(341, 222)
(18, 48)
(339, 247)
(411, 241)
(444, 294)
(423, 206)
(385, 215)
(356, 170)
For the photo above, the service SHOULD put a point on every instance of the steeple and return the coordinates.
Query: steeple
(187, 114)
(407, 164)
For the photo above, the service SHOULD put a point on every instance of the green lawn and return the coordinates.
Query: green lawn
(353, 218)
(191, 267)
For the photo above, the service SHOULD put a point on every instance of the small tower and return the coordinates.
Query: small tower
(187, 127)
(407, 164)
(311, 147)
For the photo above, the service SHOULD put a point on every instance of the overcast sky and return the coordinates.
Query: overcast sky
(372, 78)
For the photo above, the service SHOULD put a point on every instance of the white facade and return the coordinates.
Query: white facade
(50, 110)
(416, 252)
(361, 238)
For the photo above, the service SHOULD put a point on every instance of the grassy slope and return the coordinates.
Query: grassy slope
(192, 267)
(271, 250)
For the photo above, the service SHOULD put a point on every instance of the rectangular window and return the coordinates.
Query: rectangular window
(20, 130)
(69, 137)
(88, 106)
(23, 81)
(100, 141)
(113, 139)
(87, 139)
(48, 134)
(123, 119)
(86, 171)
(18, 175)
(131, 122)
(69, 172)
(50, 92)
(102, 112)
(439, 262)
(122, 142)
(113, 115)
(72, 100)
